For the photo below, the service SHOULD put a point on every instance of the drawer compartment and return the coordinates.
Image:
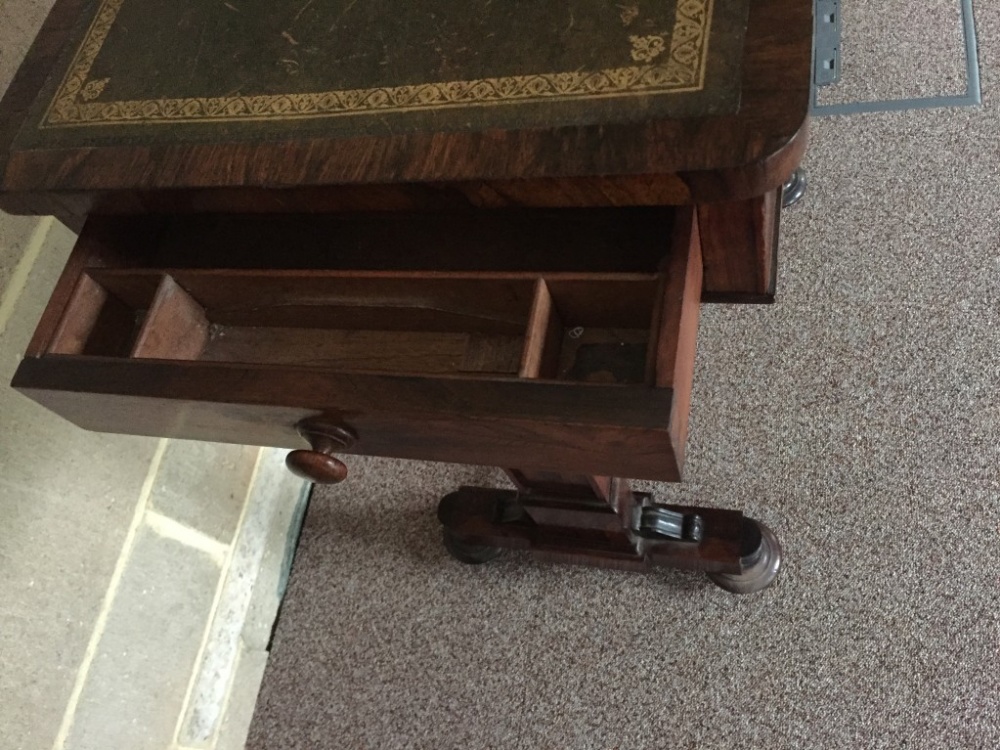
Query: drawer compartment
(348, 321)
(508, 364)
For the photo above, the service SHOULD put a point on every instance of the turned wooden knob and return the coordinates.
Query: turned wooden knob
(320, 465)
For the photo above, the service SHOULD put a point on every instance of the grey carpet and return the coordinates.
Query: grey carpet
(899, 49)
(859, 417)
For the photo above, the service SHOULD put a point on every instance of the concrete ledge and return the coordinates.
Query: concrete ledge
(254, 572)
(177, 652)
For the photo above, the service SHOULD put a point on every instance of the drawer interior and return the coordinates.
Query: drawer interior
(561, 294)
(557, 340)
(579, 327)
(595, 240)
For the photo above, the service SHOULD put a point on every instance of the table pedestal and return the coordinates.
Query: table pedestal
(601, 521)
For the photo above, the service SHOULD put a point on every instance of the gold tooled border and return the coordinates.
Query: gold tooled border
(682, 70)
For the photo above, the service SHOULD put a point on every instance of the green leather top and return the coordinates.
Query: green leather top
(144, 70)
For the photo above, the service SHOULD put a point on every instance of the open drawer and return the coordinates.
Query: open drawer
(554, 340)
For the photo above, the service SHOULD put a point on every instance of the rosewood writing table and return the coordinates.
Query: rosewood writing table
(476, 232)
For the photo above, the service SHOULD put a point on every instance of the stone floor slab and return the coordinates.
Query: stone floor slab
(203, 485)
(140, 672)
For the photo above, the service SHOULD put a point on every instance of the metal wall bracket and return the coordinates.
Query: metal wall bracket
(826, 43)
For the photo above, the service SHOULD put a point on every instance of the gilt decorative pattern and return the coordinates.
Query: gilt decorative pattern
(670, 61)
(647, 48)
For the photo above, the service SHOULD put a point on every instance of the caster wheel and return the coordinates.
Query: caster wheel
(794, 188)
(761, 561)
(470, 554)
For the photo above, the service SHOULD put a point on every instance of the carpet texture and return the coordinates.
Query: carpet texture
(859, 417)
(898, 49)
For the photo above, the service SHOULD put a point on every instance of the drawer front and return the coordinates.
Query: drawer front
(414, 418)
(565, 370)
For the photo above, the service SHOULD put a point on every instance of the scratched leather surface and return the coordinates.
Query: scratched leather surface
(143, 70)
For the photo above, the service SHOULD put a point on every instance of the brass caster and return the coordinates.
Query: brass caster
(794, 188)
(468, 553)
(761, 561)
